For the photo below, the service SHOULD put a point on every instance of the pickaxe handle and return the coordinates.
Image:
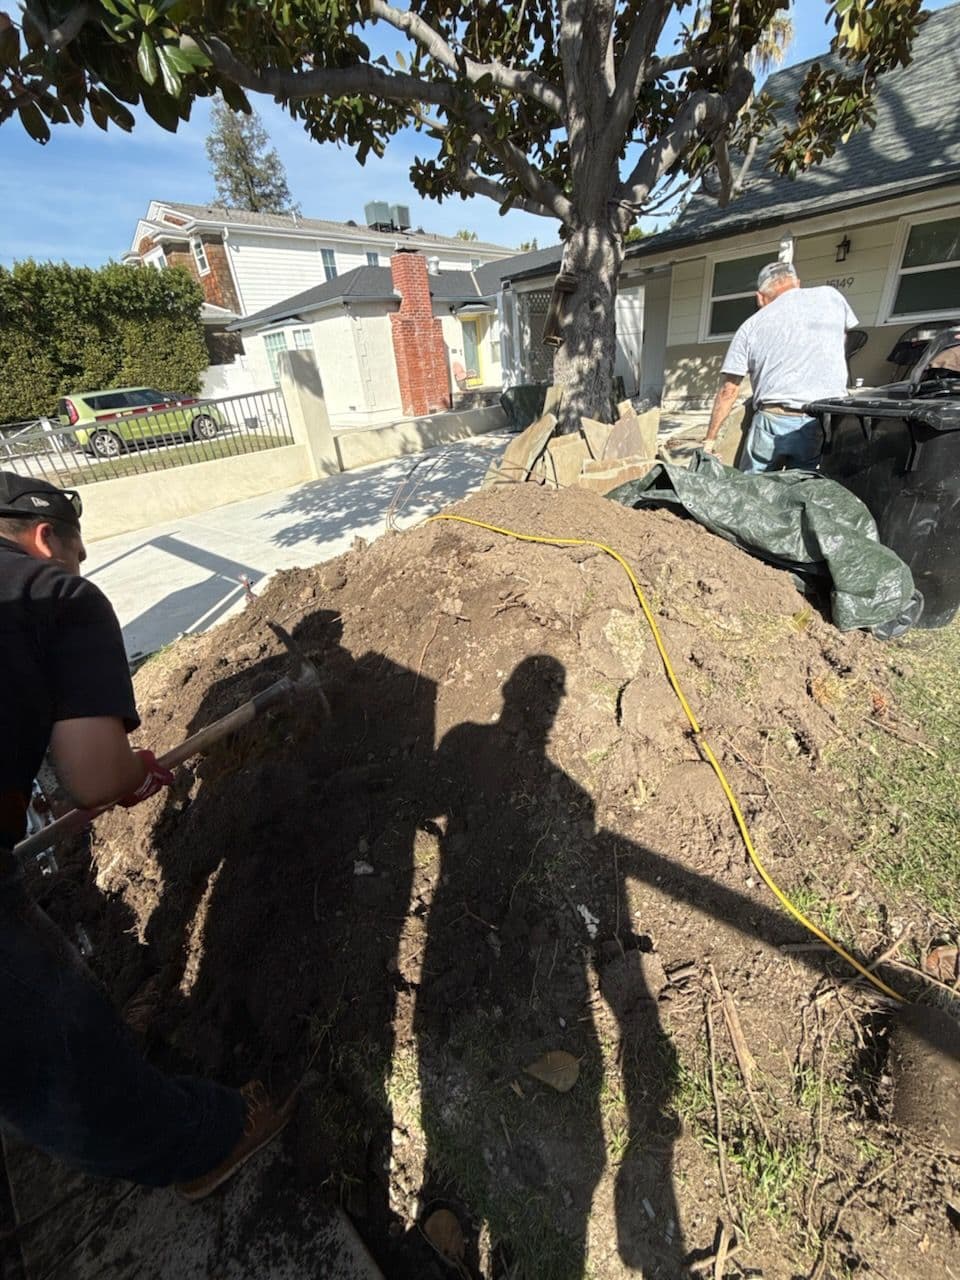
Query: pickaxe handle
(77, 819)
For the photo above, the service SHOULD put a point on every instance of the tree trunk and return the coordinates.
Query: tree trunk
(583, 365)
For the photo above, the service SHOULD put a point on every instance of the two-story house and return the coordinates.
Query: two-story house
(246, 262)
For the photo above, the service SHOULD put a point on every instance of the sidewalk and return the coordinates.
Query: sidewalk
(187, 575)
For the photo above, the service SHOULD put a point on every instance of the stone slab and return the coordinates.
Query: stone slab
(72, 1227)
(605, 474)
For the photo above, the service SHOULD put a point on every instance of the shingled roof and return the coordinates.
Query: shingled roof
(915, 144)
(341, 230)
(362, 284)
(375, 284)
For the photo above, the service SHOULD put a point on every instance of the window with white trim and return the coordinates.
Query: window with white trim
(303, 340)
(928, 280)
(156, 258)
(274, 343)
(373, 259)
(200, 256)
(733, 293)
(329, 263)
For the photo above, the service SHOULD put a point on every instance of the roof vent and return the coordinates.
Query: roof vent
(433, 266)
(400, 216)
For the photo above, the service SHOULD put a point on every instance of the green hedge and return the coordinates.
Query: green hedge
(65, 329)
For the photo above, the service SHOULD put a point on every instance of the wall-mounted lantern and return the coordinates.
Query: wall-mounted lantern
(843, 248)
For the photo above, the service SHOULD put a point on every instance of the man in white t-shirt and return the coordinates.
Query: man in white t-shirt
(793, 350)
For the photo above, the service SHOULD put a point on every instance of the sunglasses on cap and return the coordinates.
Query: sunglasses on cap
(41, 499)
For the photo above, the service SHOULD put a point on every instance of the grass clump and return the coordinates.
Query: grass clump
(912, 793)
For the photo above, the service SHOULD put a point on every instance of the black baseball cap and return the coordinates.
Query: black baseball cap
(23, 496)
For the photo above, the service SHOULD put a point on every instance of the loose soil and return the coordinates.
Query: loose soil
(507, 843)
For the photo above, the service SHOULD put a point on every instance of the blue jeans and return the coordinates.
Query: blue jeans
(72, 1079)
(778, 440)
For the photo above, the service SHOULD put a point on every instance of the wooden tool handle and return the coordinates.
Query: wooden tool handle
(77, 819)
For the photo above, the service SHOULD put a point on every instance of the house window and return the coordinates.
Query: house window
(303, 340)
(200, 256)
(928, 281)
(373, 259)
(474, 264)
(733, 293)
(274, 343)
(329, 263)
(156, 258)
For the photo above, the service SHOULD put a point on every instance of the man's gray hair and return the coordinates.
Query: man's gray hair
(773, 273)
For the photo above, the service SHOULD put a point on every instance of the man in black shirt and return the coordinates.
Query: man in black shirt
(72, 1080)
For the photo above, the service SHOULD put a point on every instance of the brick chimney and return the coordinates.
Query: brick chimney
(418, 345)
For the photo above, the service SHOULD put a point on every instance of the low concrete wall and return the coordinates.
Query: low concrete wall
(135, 502)
(359, 446)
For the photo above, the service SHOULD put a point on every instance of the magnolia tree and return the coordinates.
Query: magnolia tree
(583, 111)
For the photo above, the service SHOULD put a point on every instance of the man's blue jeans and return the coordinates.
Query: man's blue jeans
(72, 1079)
(778, 440)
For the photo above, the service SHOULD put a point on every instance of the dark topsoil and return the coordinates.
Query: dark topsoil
(506, 842)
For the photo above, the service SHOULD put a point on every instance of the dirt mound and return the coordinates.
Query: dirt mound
(450, 879)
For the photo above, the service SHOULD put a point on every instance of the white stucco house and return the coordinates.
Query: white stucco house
(247, 262)
(390, 341)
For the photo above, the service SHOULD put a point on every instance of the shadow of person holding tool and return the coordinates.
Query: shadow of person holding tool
(282, 873)
(509, 981)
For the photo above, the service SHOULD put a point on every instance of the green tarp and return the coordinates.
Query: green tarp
(798, 520)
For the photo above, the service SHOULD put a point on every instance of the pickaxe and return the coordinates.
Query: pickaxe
(306, 677)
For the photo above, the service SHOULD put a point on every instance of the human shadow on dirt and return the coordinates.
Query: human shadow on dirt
(293, 885)
(284, 884)
(510, 973)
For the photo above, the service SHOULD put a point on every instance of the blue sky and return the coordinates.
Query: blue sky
(78, 198)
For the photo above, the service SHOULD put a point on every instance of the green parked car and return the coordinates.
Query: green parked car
(106, 423)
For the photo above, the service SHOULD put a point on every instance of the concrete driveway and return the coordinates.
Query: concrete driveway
(187, 575)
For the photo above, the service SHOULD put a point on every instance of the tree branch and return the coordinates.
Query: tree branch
(328, 82)
(745, 167)
(633, 73)
(523, 82)
(56, 38)
(476, 184)
(703, 112)
(722, 153)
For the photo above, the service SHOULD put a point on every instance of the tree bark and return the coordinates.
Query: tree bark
(583, 364)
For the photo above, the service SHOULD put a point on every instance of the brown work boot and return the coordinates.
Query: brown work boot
(264, 1121)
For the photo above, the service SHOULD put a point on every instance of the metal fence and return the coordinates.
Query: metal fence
(145, 440)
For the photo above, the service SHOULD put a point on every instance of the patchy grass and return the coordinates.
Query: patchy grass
(912, 796)
(142, 461)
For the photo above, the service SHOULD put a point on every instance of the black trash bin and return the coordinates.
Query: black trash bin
(898, 449)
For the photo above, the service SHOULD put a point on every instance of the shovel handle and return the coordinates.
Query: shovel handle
(76, 820)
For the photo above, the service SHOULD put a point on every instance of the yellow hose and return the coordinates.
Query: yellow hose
(702, 743)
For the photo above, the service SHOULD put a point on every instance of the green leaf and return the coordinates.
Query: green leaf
(32, 120)
(9, 45)
(148, 13)
(147, 59)
(171, 80)
(234, 97)
(98, 112)
(184, 61)
(163, 110)
(117, 112)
